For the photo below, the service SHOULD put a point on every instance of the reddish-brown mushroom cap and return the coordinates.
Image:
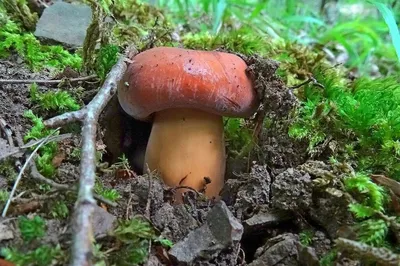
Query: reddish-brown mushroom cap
(167, 77)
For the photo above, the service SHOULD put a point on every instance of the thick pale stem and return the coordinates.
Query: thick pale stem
(185, 146)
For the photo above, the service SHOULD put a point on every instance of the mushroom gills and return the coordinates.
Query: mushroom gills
(185, 147)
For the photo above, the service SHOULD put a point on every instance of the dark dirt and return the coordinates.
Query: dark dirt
(275, 200)
(14, 97)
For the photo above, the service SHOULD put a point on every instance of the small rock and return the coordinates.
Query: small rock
(175, 222)
(281, 250)
(64, 23)
(5, 148)
(54, 230)
(6, 232)
(264, 219)
(219, 232)
(331, 213)
(103, 222)
(307, 256)
(140, 187)
(321, 243)
(223, 225)
(292, 191)
(248, 192)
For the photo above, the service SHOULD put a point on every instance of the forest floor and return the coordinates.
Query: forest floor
(284, 221)
(285, 200)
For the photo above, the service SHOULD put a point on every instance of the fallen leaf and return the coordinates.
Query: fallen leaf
(387, 182)
(125, 174)
(58, 159)
(24, 208)
(162, 255)
(6, 263)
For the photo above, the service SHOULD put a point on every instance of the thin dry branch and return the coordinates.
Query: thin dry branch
(45, 81)
(33, 143)
(83, 233)
(22, 172)
(63, 187)
(7, 131)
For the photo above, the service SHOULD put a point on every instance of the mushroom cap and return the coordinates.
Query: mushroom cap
(168, 77)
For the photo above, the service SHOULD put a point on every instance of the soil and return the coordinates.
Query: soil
(270, 193)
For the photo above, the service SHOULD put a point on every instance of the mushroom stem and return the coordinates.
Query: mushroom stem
(185, 146)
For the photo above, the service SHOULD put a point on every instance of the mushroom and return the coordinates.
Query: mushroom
(186, 93)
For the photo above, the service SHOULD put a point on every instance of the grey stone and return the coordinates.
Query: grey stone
(223, 225)
(103, 222)
(292, 191)
(308, 256)
(219, 232)
(331, 213)
(5, 148)
(264, 219)
(54, 230)
(248, 192)
(6, 232)
(64, 23)
(175, 222)
(281, 250)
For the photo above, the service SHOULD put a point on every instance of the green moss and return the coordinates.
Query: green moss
(37, 56)
(31, 229)
(329, 258)
(110, 194)
(59, 210)
(136, 235)
(56, 101)
(364, 116)
(241, 41)
(135, 23)
(42, 256)
(4, 194)
(106, 59)
(238, 136)
(306, 237)
(7, 169)
(47, 152)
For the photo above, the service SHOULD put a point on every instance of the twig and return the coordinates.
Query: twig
(35, 198)
(21, 173)
(39, 177)
(148, 203)
(42, 81)
(66, 118)
(83, 234)
(312, 80)
(33, 143)
(173, 190)
(33, 169)
(7, 131)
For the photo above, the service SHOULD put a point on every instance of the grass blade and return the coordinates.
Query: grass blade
(388, 16)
